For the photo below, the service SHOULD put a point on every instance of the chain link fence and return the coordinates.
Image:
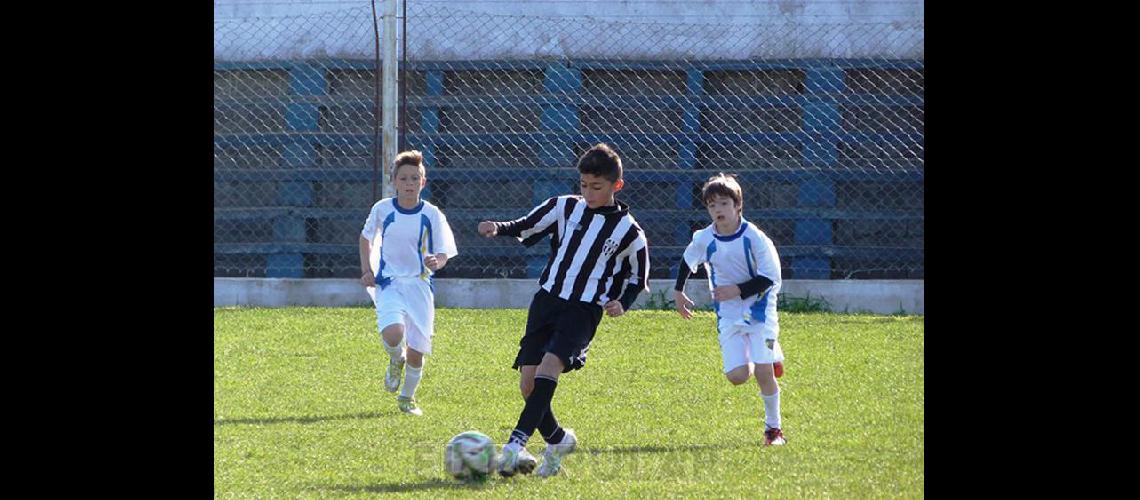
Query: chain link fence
(821, 116)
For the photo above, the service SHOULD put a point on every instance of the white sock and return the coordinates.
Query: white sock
(411, 380)
(395, 352)
(771, 409)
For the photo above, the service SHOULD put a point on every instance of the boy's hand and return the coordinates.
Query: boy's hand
(683, 304)
(368, 279)
(725, 292)
(487, 228)
(435, 262)
(614, 309)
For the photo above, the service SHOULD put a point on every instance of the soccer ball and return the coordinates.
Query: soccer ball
(470, 456)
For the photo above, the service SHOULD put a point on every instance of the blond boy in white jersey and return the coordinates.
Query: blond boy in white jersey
(415, 241)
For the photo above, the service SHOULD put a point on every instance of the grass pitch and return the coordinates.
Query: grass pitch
(300, 409)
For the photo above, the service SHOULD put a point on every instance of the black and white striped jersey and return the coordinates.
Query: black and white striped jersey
(597, 255)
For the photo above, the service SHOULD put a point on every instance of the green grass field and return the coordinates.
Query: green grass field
(300, 410)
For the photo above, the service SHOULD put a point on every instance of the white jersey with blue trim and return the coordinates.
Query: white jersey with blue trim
(405, 236)
(735, 259)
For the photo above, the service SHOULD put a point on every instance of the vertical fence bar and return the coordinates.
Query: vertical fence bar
(817, 190)
(306, 80)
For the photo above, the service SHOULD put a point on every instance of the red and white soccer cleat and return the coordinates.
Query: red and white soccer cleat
(774, 437)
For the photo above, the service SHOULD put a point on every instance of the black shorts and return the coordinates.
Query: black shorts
(558, 326)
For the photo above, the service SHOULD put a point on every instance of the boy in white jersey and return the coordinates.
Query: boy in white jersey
(415, 241)
(744, 278)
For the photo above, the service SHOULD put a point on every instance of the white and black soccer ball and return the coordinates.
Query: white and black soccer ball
(470, 456)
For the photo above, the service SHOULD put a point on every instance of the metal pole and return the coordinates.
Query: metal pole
(376, 151)
(404, 77)
(390, 107)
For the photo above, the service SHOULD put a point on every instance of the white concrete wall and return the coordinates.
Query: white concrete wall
(877, 296)
(252, 30)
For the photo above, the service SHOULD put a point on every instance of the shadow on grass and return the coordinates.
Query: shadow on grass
(659, 449)
(450, 484)
(297, 420)
(429, 485)
(870, 319)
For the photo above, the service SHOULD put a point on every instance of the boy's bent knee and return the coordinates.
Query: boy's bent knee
(393, 333)
(415, 358)
(738, 375)
(551, 366)
(764, 374)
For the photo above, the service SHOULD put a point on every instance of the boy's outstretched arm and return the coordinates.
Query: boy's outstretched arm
(680, 300)
(528, 229)
(488, 229)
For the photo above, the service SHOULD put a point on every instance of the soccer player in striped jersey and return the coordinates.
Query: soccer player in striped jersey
(744, 278)
(415, 241)
(599, 262)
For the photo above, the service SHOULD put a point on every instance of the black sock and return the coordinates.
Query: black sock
(537, 405)
(549, 428)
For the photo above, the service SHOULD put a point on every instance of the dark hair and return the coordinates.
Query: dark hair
(723, 184)
(412, 157)
(602, 161)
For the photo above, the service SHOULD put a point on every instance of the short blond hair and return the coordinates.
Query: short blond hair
(411, 157)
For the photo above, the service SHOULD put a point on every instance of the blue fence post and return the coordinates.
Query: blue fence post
(687, 150)
(305, 80)
(559, 120)
(821, 121)
(558, 123)
(429, 124)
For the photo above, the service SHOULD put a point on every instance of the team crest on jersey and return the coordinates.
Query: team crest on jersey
(771, 343)
(609, 248)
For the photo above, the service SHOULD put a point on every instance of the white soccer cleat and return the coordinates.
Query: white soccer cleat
(408, 405)
(515, 459)
(552, 457)
(394, 375)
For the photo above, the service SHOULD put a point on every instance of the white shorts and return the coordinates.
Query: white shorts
(740, 346)
(408, 302)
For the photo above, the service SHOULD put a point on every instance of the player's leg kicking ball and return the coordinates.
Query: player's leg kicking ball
(515, 459)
